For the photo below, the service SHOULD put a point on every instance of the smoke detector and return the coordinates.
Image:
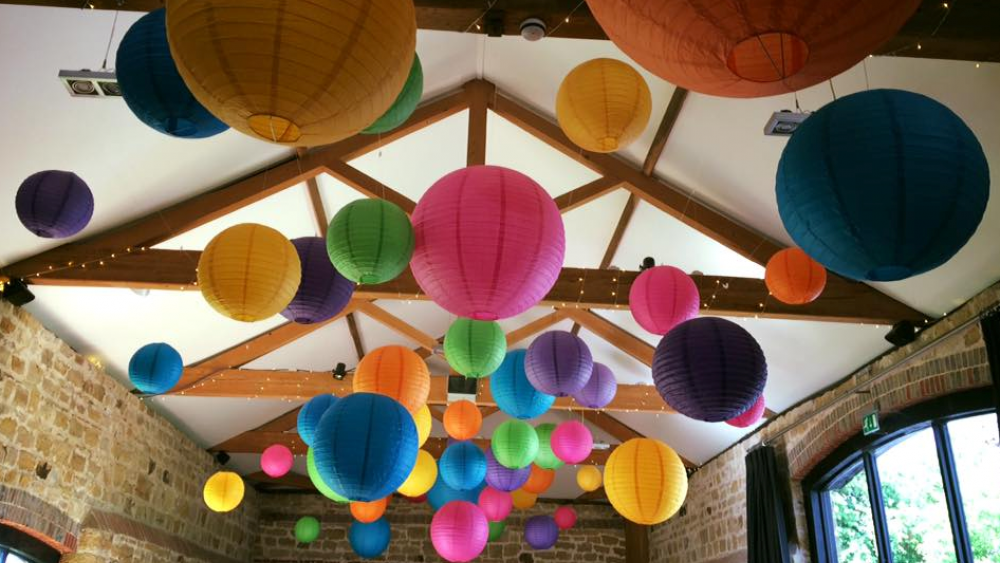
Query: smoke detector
(533, 29)
(783, 123)
(91, 84)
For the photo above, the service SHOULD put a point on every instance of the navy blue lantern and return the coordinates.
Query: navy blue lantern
(882, 185)
(155, 368)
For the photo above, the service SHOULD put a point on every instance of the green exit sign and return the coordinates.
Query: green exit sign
(869, 425)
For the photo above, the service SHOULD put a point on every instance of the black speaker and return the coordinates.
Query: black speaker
(17, 293)
(902, 333)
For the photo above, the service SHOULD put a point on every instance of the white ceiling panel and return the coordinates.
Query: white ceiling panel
(589, 229)
(317, 351)
(210, 421)
(695, 440)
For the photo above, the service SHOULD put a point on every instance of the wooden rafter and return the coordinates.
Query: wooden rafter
(621, 431)
(534, 327)
(397, 325)
(315, 199)
(352, 326)
(479, 94)
(587, 193)
(620, 338)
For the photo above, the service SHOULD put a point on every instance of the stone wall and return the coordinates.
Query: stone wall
(89, 466)
(598, 537)
(711, 527)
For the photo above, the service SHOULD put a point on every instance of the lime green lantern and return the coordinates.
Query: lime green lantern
(546, 459)
(514, 444)
(475, 348)
(318, 482)
(306, 530)
(370, 241)
(496, 530)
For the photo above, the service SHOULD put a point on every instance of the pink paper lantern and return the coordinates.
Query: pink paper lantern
(565, 517)
(459, 531)
(572, 441)
(751, 416)
(489, 243)
(496, 505)
(662, 298)
(276, 461)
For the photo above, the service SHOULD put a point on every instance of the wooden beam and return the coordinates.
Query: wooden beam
(289, 480)
(666, 127)
(352, 325)
(636, 542)
(587, 193)
(283, 423)
(616, 237)
(367, 185)
(398, 325)
(621, 431)
(315, 199)
(479, 93)
(613, 334)
(533, 328)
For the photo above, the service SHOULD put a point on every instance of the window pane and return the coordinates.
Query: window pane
(852, 520)
(13, 558)
(914, 501)
(976, 446)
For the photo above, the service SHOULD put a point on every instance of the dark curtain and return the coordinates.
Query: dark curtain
(991, 334)
(767, 539)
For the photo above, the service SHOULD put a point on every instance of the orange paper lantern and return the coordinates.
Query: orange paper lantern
(539, 480)
(522, 499)
(793, 277)
(396, 372)
(368, 512)
(462, 420)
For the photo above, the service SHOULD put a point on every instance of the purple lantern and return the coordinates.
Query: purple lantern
(323, 292)
(709, 369)
(54, 204)
(600, 388)
(502, 478)
(541, 532)
(558, 363)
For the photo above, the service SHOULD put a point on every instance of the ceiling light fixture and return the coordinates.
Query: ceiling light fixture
(340, 371)
(91, 84)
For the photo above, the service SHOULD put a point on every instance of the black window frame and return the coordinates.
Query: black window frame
(860, 452)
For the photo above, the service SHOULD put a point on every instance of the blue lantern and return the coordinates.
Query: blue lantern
(152, 87)
(441, 494)
(369, 540)
(512, 391)
(463, 466)
(155, 368)
(310, 413)
(365, 446)
(882, 185)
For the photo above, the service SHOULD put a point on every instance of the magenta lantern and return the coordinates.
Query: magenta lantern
(565, 517)
(751, 416)
(489, 243)
(459, 531)
(662, 298)
(496, 505)
(572, 441)
(276, 461)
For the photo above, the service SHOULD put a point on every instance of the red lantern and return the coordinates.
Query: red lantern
(565, 517)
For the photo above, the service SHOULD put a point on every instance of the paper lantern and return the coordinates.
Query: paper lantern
(223, 491)
(368, 512)
(490, 243)
(709, 369)
(541, 532)
(572, 442)
(276, 460)
(600, 388)
(512, 391)
(539, 481)
(318, 482)
(662, 298)
(152, 87)
(475, 348)
(462, 420)
(645, 481)
(495, 504)
(369, 540)
(496, 530)
(422, 418)
(522, 499)
(558, 363)
(155, 368)
(309, 416)
(565, 517)
(603, 105)
(441, 494)
(793, 277)
(463, 466)
(249, 272)
(323, 292)
(405, 103)
(504, 478)
(589, 478)
(396, 372)
(422, 477)
(306, 530)
(366, 446)
(882, 185)
(54, 204)
(459, 531)
(546, 458)
(749, 49)
(751, 416)
(370, 241)
(305, 75)
(514, 444)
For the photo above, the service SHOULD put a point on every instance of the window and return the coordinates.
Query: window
(11, 557)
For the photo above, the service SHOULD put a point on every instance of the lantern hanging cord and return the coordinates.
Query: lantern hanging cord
(107, 51)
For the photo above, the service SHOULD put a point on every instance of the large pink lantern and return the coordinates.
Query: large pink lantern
(662, 298)
(565, 517)
(496, 505)
(572, 441)
(459, 531)
(276, 461)
(751, 416)
(489, 243)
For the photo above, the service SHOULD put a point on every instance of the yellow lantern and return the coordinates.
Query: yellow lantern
(249, 272)
(645, 481)
(422, 478)
(223, 491)
(588, 478)
(603, 105)
(309, 74)
(523, 500)
(422, 418)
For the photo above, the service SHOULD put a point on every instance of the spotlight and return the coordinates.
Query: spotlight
(90, 84)
(222, 457)
(902, 333)
(340, 371)
(647, 263)
(16, 291)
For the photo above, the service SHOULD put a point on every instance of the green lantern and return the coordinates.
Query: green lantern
(318, 482)
(514, 444)
(546, 459)
(370, 241)
(306, 529)
(405, 103)
(475, 348)
(497, 529)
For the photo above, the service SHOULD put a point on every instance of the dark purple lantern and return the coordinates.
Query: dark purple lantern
(558, 363)
(323, 292)
(600, 388)
(709, 369)
(54, 204)
(541, 532)
(502, 478)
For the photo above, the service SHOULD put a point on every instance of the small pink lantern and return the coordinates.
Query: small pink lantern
(662, 298)
(565, 517)
(751, 416)
(496, 505)
(572, 441)
(276, 461)
(490, 243)
(459, 531)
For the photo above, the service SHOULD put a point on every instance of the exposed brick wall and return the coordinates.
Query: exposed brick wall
(711, 527)
(76, 446)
